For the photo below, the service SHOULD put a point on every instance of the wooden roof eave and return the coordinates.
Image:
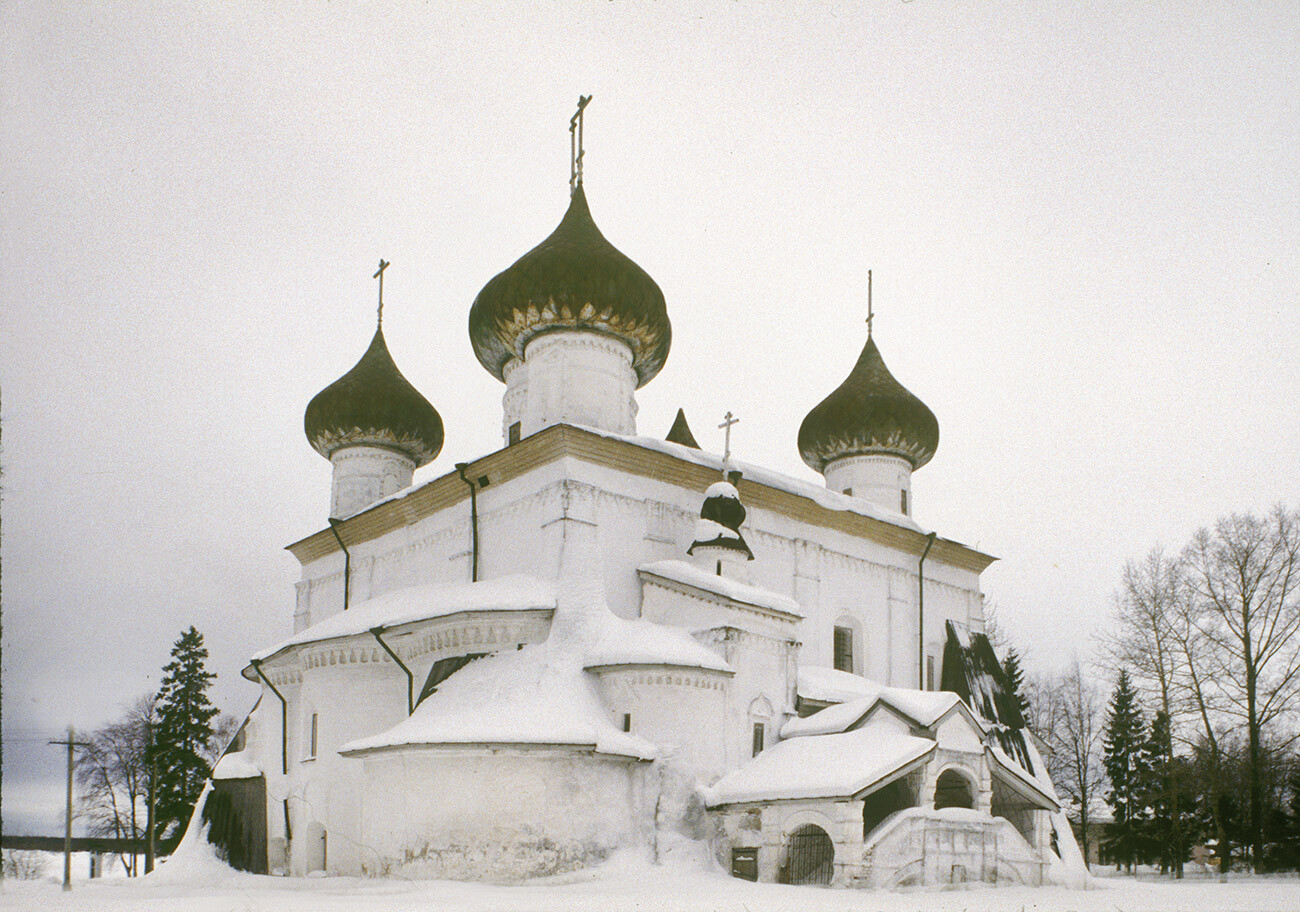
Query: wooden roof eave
(558, 441)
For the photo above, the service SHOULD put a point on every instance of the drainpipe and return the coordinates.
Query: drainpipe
(920, 612)
(347, 561)
(473, 513)
(410, 678)
(284, 715)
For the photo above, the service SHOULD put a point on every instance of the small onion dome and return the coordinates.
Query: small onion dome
(870, 412)
(575, 279)
(374, 405)
(720, 519)
(680, 432)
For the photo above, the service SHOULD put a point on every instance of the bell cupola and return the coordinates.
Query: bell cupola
(719, 545)
(573, 328)
(373, 426)
(870, 435)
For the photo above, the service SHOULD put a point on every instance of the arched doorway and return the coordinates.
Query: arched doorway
(810, 857)
(953, 790)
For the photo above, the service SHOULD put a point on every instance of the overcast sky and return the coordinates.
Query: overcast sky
(1082, 220)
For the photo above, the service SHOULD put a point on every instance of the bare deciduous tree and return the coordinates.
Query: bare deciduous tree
(113, 775)
(1244, 577)
(1067, 713)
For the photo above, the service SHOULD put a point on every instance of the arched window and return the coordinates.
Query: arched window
(847, 645)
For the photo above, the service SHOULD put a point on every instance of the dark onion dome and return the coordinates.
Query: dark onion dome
(680, 432)
(720, 519)
(374, 405)
(575, 279)
(870, 412)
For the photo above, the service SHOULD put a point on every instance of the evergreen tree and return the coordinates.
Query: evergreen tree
(182, 733)
(1166, 796)
(1123, 740)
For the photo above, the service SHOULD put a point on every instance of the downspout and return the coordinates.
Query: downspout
(284, 715)
(473, 518)
(410, 678)
(347, 561)
(920, 612)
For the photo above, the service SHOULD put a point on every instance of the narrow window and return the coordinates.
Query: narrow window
(758, 739)
(315, 729)
(848, 492)
(902, 500)
(514, 433)
(719, 568)
(843, 649)
(627, 722)
(929, 672)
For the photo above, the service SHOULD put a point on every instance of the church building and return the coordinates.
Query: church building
(592, 640)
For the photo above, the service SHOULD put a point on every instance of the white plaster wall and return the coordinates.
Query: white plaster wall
(679, 710)
(365, 474)
(577, 378)
(496, 814)
(879, 478)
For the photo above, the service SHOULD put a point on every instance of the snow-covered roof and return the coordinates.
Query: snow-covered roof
(924, 707)
(236, 766)
(830, 685)
(641, 642)
(817, 492)
(825, 766)
(535, 695)
(687, 574)
(517, 592)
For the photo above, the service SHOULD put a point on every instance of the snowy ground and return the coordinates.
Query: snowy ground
(623, 883)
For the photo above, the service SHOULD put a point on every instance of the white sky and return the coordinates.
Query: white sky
(1082, 217)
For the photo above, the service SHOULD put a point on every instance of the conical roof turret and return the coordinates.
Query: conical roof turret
(870, 412)
(575, 279)
(374, 405)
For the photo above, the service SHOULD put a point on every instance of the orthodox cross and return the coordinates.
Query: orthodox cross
(575, 144)
(383, 264)
(870, 314)
(727, 421)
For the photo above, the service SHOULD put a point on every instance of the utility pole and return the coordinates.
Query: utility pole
(149, 850)
(71, 743)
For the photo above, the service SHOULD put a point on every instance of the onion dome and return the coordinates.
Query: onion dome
(680, 432)
(575, 279)
(720, 519)
(870, 412)
(374, 405)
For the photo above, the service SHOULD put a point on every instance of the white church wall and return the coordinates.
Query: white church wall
(496, 813)
(679, 710)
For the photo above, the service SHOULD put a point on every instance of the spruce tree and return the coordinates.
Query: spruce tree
(1163, 835)
(1016, 680)
(182, 733)
(1123, 740)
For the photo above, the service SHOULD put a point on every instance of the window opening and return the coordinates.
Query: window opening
(848, 492)
(315, 729)
(514, 433)
(843, 649)
(902, 500)
(627, 722)
(758, 739)
(929, 672)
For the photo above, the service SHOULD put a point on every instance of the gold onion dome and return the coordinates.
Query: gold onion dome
(870, 412)
(374, 405)
(575, 279)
